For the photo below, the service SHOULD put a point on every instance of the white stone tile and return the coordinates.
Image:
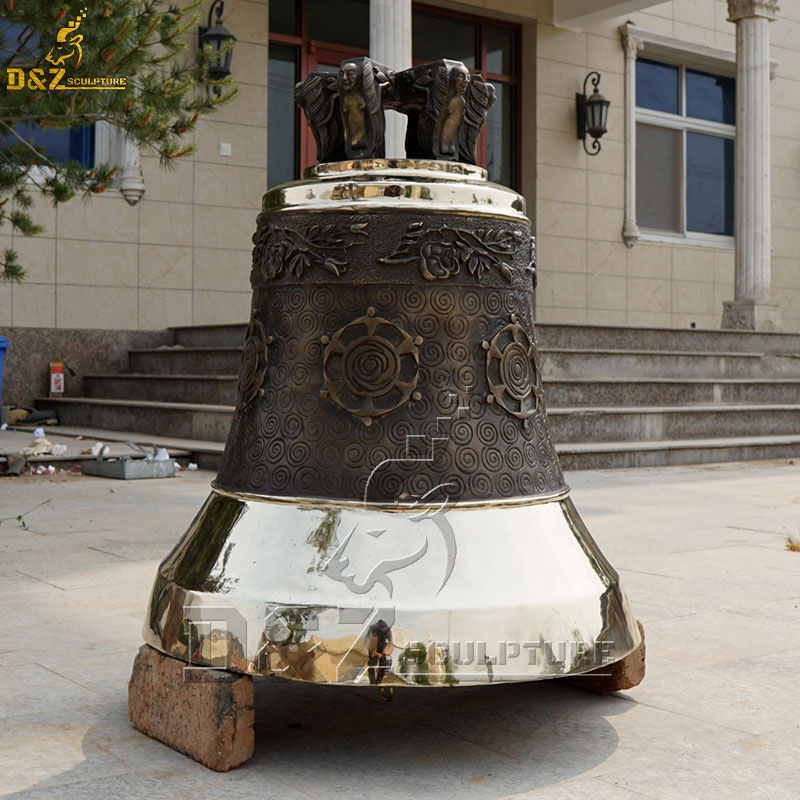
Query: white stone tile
(750, 767)
(165, 267)
(109, 307)
(561, 219)
(166, 223)
(31, 689)
(37, 254)
(223, 185)
(33, 305)
(105, 218)
(606, 292)
(595, 316)
(94, 264)
(163, 308)
(561, 46)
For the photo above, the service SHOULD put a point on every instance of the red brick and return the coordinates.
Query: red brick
(207, 714)
(620, 675)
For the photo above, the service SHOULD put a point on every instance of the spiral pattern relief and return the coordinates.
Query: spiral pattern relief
(370, 366)
(255, 363)
(511, 372)
(435, 381)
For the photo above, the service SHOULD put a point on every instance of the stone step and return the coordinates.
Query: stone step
(569, 336)
(555, 363)
(567, 425)
(210, 335)
(567, 392)
(205, 389)
(654, 423)
(186, 361)
(573, 455)
(630, 455)
(609, 364)
(617, 397)
(628, 338)
(559, 392)
(181, 420)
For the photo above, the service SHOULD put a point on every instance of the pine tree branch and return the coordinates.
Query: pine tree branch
(38, 153)
(151, 42)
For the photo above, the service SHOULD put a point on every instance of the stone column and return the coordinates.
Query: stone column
(390, 45)
(751, 309)
(632, 45)
(131, 182)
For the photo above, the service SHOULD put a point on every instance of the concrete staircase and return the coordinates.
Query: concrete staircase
(616, 397)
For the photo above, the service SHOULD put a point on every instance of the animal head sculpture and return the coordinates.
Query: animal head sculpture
(68, 43)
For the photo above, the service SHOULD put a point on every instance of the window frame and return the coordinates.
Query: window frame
(637, 42)
(484, 23)
(89, 137)
(685, 124)
(310, 51)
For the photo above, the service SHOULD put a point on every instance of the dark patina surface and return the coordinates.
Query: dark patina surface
(389, 354)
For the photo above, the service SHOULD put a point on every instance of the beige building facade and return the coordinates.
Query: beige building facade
(181, 255)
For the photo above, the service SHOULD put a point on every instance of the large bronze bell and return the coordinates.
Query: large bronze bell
(390, 508)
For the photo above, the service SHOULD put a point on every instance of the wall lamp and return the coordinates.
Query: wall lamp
(218, 37)
(592, 114)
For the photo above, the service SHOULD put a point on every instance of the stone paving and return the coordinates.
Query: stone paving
(701, 554)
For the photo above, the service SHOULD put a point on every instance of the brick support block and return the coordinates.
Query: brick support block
(620, 675)
(205, 713)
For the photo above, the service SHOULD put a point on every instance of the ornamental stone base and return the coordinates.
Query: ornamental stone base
(750, 315)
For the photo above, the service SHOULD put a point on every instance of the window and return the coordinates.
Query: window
(685, 131)
(59, 144)
(490, 48)
(317, 35)
(283, 151)
(305, 36)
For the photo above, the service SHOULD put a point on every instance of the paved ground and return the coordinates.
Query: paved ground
(701, 554)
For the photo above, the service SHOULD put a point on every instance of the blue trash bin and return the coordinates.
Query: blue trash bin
(3, 348)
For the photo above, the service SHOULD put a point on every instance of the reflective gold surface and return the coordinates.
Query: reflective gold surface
(497, 588)
(397, 506)
(467, 595)
(397, 184)
(420, 167)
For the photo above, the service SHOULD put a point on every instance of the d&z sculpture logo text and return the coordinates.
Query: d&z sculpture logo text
(67, 52)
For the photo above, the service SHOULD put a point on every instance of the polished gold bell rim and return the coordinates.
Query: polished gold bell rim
(293, 590)
(400, 506)
(453, 170)
(397, 184)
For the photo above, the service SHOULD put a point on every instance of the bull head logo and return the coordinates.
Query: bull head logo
(68, 43)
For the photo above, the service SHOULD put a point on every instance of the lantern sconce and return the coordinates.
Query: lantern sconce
(592, 114)
(216, 35)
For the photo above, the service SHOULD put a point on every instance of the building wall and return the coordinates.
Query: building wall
(181, 255)
(586, 273)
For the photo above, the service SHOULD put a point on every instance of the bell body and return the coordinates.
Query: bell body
(390, 508)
